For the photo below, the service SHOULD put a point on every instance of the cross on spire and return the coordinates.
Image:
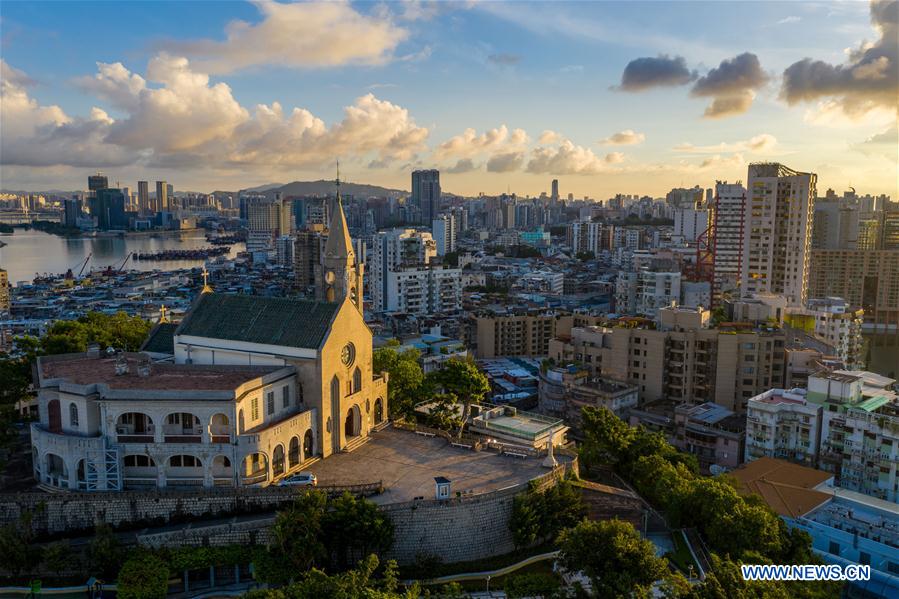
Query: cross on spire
(206, 287)
(162, 314)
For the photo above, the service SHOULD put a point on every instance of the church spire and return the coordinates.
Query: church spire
(339, 244)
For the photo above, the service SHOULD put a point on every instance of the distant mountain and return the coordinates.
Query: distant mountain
(265, 187)
(326, 187)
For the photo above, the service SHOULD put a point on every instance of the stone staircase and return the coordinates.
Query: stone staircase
(356, 443)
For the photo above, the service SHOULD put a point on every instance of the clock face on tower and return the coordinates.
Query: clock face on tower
(348, 354)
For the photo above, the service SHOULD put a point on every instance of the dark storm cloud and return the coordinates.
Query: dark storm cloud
(731, 85)
(645, 73)
(869, 79)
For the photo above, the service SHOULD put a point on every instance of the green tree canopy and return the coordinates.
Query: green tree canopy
(143, 576)
(611, 553)
(462, 379)
(406, 379)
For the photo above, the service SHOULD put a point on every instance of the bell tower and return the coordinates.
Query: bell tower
(341, 273)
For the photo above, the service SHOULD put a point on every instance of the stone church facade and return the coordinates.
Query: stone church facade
(244, 391)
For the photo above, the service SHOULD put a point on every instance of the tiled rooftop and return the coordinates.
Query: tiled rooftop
(86, 370)
(255, 319)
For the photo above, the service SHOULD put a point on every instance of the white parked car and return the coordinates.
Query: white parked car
(299, 480)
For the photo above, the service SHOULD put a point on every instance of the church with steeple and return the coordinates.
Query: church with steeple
(339, 274)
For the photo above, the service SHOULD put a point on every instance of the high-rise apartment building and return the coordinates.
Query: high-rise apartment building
(267, 220)
(554, 195)
(108, 207)
(589, 236)
(443, 229)
(71, 211)
(162, 197)
(96, 182)
(866, 279)
(728, 222)
(403, 277)
(143, 197)
(778, 235)
(5, 303)
(426, 193)
(310, 243)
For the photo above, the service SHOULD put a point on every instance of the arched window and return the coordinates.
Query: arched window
(335, 390)
(73, 415)
(357, 380)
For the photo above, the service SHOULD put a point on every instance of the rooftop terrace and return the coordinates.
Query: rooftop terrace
(407, 463)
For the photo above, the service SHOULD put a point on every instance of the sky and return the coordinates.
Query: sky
(608, 97)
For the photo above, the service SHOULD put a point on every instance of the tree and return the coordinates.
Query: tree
(606, 436)
(355, 527)
(58, 556)
(534, 584)
(406, 379)
(15, 377)
(104, 555)
(611, 553)
(585, 256)
(17, 554)
(143, 576)
(444, 413)
(358, 583)
(539, 515)
(463, 379)
(118, 331)
(296, 538)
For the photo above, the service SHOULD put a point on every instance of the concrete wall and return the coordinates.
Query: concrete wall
(457, 529)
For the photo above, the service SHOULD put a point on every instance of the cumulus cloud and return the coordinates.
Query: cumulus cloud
(313, 34)
(628, 137)
(188, 121)
(36, 135)
(503, 59)
(614, 158)
(762, 143)
(469, 144)
(463, 165)
(505, 162)
(731, 85)
(867, 82)
(567, 159)
(884, 144)
(662, 71)
(549, 137)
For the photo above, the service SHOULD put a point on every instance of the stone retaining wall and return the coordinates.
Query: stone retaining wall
(55, 513)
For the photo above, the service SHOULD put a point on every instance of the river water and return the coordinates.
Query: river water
(29, 252)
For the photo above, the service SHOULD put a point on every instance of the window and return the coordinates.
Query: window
(864, 558)
(834, 548)
(73, 415)
(285, 396)
(254, 409)
(270, 403)
(139, 461)
(185, 461)
(299, 392)
(357, 380)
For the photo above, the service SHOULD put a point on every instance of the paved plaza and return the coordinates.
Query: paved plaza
(407, 464)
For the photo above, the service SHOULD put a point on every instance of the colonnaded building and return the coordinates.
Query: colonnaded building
(244, 391)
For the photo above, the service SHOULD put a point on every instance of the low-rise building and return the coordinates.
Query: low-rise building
(846, 527)
(564, 392)
(846, 422)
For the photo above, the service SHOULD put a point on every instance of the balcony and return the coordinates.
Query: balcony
(133, 434)
(176, 433)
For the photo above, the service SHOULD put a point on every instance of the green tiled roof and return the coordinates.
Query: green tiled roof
(254, 319)
(161, 339)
